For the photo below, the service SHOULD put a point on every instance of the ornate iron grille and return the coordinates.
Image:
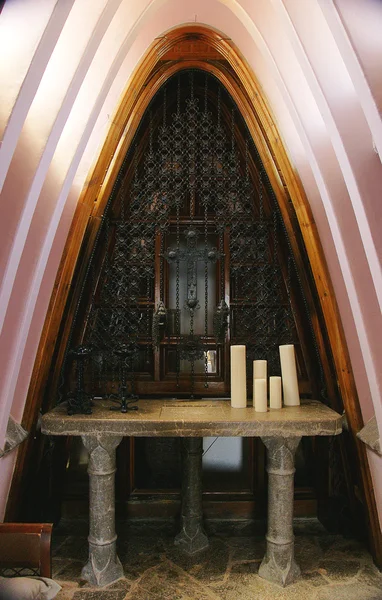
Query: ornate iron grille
(188, 257)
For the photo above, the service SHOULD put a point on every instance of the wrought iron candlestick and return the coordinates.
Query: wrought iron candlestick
(79, 401)
(123, 397)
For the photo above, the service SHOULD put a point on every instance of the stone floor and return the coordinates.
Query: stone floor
(333, 567)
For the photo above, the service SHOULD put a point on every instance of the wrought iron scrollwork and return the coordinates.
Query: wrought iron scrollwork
(221, 321)
(191, 348)
(189, 249)
(159, 324)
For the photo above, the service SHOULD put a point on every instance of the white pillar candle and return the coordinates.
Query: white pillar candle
(275, 392)
(260, 402)
(289, 375)
(259, 372)
(238, 377)
(259, 369)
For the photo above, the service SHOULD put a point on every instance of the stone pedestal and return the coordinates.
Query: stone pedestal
(278, 564)
(192, 538)
(103, 566)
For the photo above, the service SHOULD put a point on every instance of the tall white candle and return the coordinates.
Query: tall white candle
(238, 377)
(275, 392)
(260, 402)
(289, 375)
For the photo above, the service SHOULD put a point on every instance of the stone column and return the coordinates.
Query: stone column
(103, 566)
(279, 565)
(192, 538)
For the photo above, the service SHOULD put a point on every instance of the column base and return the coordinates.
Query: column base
(192, 543)
(103, 566)
(278, 565)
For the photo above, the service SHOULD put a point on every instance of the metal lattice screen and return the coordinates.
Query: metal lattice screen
(192, 256)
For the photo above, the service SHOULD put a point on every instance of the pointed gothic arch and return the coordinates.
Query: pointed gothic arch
(160, 62)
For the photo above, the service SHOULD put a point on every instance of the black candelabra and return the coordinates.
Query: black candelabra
(124, 398)
(79, 401)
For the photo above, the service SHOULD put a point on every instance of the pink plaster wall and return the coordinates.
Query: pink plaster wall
(33, 37)
(363, 24)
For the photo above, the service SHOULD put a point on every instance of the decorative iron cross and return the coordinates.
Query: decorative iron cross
(192, 255)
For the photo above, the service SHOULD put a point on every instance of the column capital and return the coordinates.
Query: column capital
(280, 454)
(106, 442)
(274, 444)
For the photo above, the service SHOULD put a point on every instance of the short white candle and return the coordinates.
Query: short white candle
(275, 392)
(259, 372)
(260, 402)
(289, 375)
(238, 377)
(259, 369)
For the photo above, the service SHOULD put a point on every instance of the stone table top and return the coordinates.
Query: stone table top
(195, 418)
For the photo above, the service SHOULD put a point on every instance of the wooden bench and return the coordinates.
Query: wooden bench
(25, 549)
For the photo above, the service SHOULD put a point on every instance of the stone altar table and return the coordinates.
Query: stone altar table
(280, 430)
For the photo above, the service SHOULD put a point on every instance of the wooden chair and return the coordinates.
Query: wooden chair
(25, 549)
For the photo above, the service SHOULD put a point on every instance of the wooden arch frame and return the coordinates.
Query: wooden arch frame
(246, 92)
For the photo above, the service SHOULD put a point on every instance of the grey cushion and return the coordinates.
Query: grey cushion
(28, 588)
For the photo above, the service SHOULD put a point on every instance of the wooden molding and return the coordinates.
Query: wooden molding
(182, 48)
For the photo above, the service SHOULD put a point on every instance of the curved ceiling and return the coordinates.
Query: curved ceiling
(67, 66)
